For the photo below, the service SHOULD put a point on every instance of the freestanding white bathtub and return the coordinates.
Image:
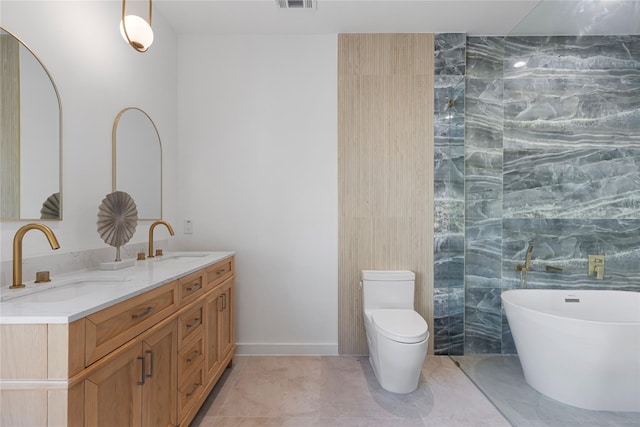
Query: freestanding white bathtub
(580, 347)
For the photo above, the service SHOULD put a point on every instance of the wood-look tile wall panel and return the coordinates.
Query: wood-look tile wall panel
(385, 169)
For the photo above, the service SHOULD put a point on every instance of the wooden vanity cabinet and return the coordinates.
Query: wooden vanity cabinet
(187, 355)
(218, 334)
(148, 361)
(219, 313)
(213, 359)
(219, 272)
(225, 320)
(190, 382)
(190, 357)
(112, 396)
(110, 328)
(136, 385)
(158, 391)
(34, 360)
(191, 287)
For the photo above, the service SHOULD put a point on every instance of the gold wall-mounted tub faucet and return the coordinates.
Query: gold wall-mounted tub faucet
(17, 249)
(527, 261)
(526, 268)
(166, 224)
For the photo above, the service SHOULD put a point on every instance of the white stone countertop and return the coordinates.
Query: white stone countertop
(72, 296)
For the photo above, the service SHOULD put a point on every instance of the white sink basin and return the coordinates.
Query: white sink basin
(63, 291)
(180, 257)
(69, 292)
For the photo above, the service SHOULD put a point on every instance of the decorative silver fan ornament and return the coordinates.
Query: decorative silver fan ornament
(51, 207)
(117, 219)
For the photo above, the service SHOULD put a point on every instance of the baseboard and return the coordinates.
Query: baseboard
(286, 349)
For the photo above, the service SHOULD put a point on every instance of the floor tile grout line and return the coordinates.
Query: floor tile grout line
(457, 364)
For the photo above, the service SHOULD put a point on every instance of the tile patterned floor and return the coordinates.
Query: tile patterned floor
(501, 378)
(318, 391)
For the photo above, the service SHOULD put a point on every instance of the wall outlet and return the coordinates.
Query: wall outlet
(188, 226)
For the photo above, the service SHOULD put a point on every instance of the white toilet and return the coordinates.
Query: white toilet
(396, 334)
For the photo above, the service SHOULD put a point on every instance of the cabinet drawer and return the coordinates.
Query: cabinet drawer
(190, 390)
(108, 329)
(219, 272)
(190, 323)
(190, 287)
(190, 356)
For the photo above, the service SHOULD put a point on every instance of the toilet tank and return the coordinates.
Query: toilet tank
(388, 289)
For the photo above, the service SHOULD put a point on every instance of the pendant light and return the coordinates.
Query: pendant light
(136, 31)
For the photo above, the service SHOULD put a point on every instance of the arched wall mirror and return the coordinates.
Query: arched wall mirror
(30, 135)
(137, 161)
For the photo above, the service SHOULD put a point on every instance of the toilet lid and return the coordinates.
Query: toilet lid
(400, 325)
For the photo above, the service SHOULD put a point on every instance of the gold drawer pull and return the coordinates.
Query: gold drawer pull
(193, 356)
(143, 371)
(193, 390)
(195, 322)
(150, 353)
(144, 313)
(193, 287)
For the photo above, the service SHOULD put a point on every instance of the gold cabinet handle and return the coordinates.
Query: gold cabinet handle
(141, 382)
(224, 301)
(193, 390)
(193, 356)
(144, 313)
(150, 353)
(193, 287)
(196, 321)
(222, 304)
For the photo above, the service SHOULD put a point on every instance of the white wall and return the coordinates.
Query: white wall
(97, 75)
(256, 169)
(257, 123)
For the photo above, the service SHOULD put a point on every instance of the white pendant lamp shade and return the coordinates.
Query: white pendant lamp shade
(139, 31)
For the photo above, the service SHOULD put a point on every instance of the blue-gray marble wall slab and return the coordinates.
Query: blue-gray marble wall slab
(484, 118)
(449, 107)
(579, 184)
(483, 321)
(566, 244)
(449, 54)
(552, 157)
(485, 57)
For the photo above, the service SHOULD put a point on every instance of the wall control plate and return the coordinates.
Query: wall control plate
(595, 261)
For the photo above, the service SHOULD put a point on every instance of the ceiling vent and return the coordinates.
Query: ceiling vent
(296, 4)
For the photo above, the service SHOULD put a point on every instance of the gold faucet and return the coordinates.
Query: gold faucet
(527, 261)
(526, 268)
(165, 223)
(17, 249)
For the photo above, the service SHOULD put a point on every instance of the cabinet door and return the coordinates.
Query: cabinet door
(159, 399)
(212, 359)
(226, 337)
(113, 393)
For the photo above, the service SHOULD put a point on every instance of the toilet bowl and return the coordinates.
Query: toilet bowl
(397, 336)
